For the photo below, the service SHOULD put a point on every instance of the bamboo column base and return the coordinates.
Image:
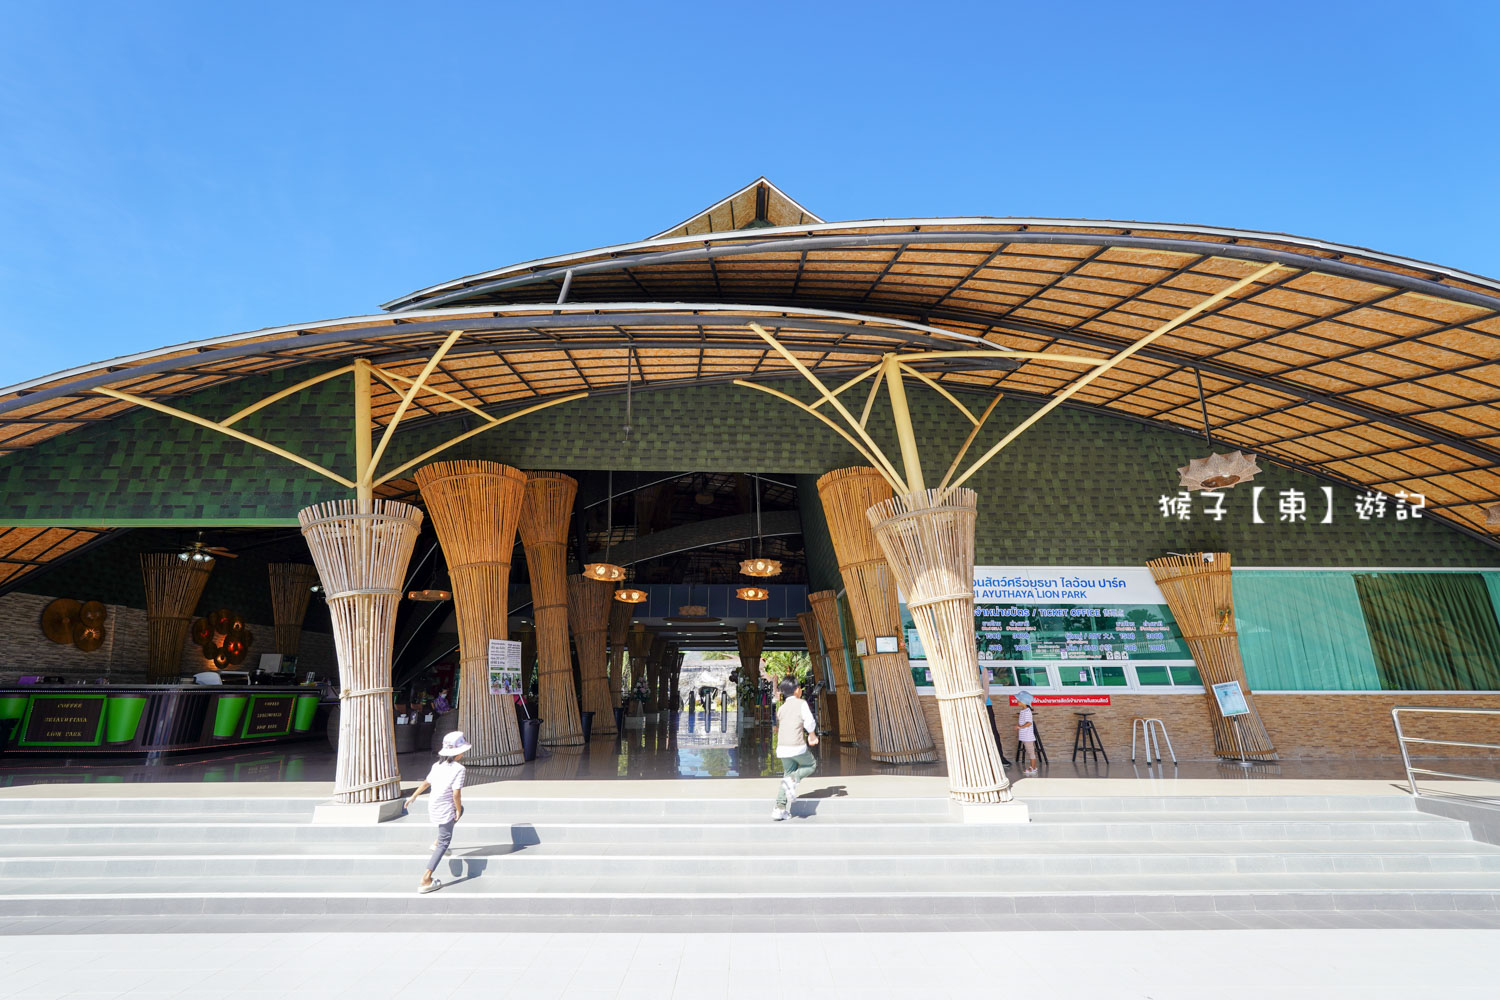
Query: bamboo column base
(930, 550)
(898, 729)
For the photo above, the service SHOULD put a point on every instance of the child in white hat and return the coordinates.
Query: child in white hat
(446, 779)
(1026, 730)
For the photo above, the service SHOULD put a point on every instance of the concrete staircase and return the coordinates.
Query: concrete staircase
(684, 857)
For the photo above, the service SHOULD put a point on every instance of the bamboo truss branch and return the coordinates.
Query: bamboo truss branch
(879, 466)
(969, 441)
(290, 390)
(1084, 380)
(405, 404)
(494, 422)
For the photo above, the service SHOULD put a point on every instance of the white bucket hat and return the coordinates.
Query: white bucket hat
(454, 744)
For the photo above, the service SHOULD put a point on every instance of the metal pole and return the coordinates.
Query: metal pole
(364, 486)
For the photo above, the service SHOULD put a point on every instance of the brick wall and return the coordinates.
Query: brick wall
(122, 658)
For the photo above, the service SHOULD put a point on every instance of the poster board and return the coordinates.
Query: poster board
(505, 666)
(1231, 699)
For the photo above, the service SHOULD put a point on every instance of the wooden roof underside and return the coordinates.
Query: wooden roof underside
(1380, 374)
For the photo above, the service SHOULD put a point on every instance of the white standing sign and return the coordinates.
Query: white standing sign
(505, 666)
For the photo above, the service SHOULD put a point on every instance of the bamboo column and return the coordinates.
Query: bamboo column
(361, 549)
(654, 662)
(827, 701)
(667, 683)
(898, 729)
(475, 506)
(173, 586)
(291, 588)
(544, 533)
(1198, 589)
(825, 605)
(619, 626)
(749, 642)
(639, 642)
(929, 547)
(589, 607)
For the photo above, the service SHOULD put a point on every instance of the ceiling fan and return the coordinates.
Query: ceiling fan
(200, 552)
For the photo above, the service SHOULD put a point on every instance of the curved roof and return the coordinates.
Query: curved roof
(1361, 367)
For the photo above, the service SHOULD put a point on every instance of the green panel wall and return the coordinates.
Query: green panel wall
(1078, 488)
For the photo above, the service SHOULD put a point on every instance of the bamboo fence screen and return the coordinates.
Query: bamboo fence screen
(475, 507)
(825, 605)
(1199, 591)
(929, 546)
(362, 549)
(898, 729)
(173, 587)
(291, 589)
(544, 533)
(619, 626)
(589, 606)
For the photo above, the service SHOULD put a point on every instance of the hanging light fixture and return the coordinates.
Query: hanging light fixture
(630, 595)
(1217, 471)
(752, 594)
(760, 565)
(607, 571)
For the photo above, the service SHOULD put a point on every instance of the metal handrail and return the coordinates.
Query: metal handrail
(1404, 741)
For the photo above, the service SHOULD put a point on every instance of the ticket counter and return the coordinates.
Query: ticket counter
(152, 718)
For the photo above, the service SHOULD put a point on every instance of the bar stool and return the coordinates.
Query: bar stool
(1149, 739)
(1041, 751)
(1086, 739)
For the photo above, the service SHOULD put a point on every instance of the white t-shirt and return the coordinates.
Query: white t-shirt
(1023, 723)
(445, 776)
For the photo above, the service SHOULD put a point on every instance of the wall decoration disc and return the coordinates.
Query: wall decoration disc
(58, 618)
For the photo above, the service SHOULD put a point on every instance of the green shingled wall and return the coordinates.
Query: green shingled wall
(1078, 488)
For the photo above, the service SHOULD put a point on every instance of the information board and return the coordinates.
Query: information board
(1059, 614)
(1231, 699)
(505, 666)
(62, 720)
(269, 715)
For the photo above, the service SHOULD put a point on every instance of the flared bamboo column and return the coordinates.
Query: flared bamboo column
(827, 700)
(825, 605)
(173, 586)
(291, 588)
(749, 642)
(898, 729)
(619, 627)
(527, 636)
(1199, 591)
(929, 547)
(639, 642)
(362, 549)
(654, 664)
(589, 604)
(475, 507)
(670, 665)
(544, 533)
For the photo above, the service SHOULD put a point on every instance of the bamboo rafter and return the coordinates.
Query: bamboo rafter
(892, 369)
(544, 534)
(367, 460)
(291, 589)
(475, 507)
(825, 605)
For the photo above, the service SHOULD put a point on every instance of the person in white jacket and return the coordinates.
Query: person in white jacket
(796, 730)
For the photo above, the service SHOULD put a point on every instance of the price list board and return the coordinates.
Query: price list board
(1016, 632)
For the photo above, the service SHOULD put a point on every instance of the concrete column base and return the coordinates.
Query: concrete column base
(356, 813)
(1014, 811)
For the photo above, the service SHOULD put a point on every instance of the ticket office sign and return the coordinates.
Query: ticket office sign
(64, 720)
(1065, 613)
(269, 715)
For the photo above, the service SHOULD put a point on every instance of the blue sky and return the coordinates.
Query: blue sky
(174, 171)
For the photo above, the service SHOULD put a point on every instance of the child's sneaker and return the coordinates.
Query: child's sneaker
(778, 813)
(791, 792)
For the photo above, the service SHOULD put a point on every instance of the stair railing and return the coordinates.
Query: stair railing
(1406, 741)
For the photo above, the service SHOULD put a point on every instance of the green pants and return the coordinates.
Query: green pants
(796, 768)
